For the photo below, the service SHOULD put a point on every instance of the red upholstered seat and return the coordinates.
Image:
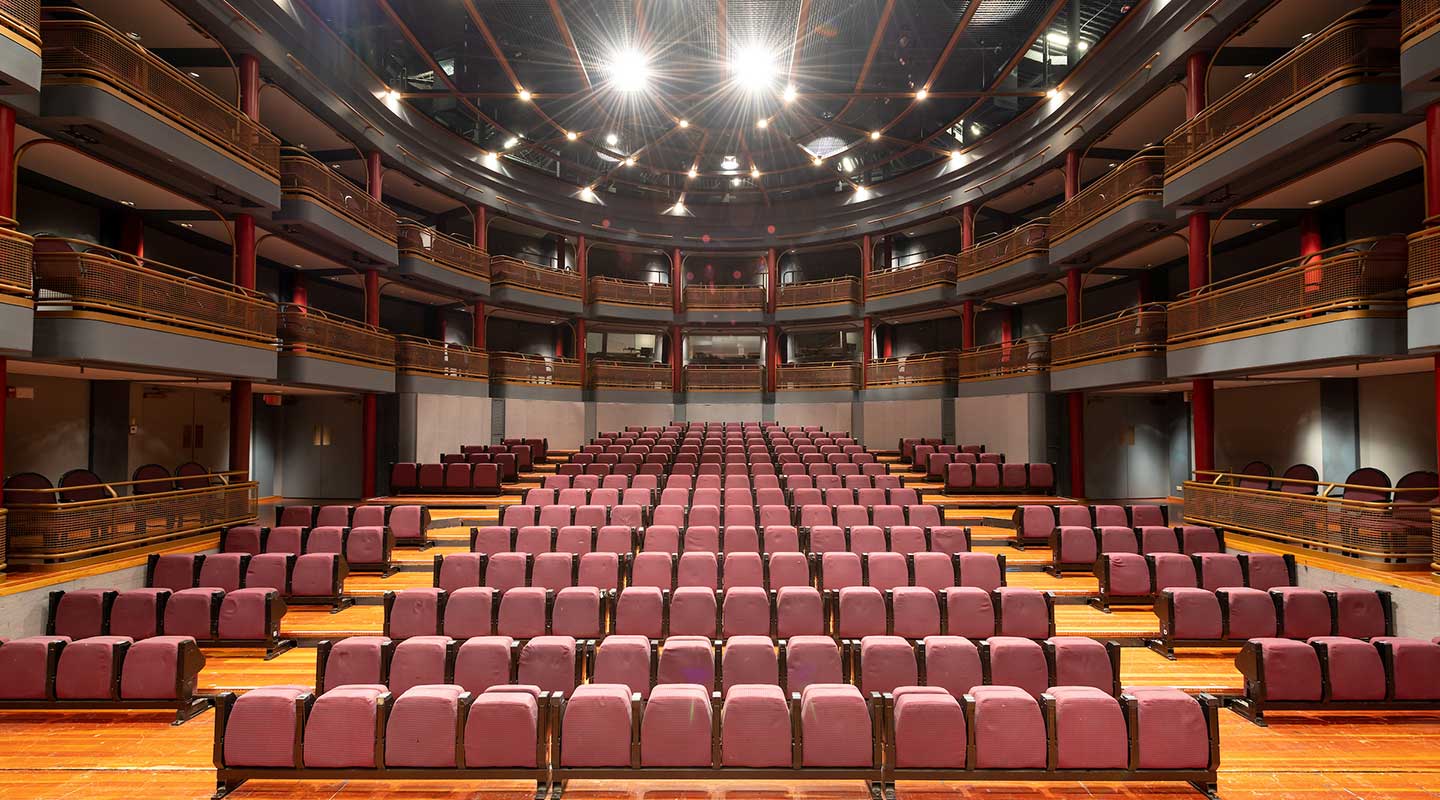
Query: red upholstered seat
(1291, 669)
(1075, 515)
(1173, 570)
(1171, 729)
(368, 544)
(1129, 574)
(860, 612)
(675, 728)
(835, 726)
(952, 663)
(286, 539)
(461, 570)
(261, 728)
(1196, 539)
(756, 730)
(970, 612)
(26, 665)
(421, 729)
(88, 668)
(749, 660)
(340, 730)
(930, 731)
(1158, 540)
(840, 569)
(1110, 515)
(1249, 614)
(317, 575)
(595, 731)
(1018, 662)
(1359, 613)
(624, 660)
(138, 613)
(1414, 663)
(270, 571)
(1266, 571)
(640, 610)
(355, 660)
(915, 611)
(502, 729)
(408, 523)
(482, 662)
(933, 571)
(1022, 612)
(1117, 539)
(415, 612)
(1009, 729)
(1090, 729)
(1303, 613)
(1352, 668)
(470, 612)
(867, 539)
(492, 539)
(553, 571)
(549, 662)
(693, 611)
(886, 570)
(506, 571)
(246, 614)
(1195, 614)
(1219, 570)
(686, 659)
(174, 571)
(1079, 661)
(419, 660)
(243, 539)
(949, 539)
(193, 612)
(743, 569)
(82, 613)
(698, 569)
(161, 668)
(798, 612)
(579, 612)
(746, 611)
(811, 660)
(886, 663)
(524, 612)
(980, 570)
(1074, 545)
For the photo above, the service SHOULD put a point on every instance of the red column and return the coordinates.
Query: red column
(477, 325)
(374, 174)
(887, 342)
(772, 280)
(482, 228)
(580, 347)
(132, 234)
(559, 341)
(866, 257)
(245, 251)
(1432, 210)
(677, 358)
(368, 400)
(1075, 401)
(675, 260)
(772, 356)
(242, 393)
(1202, 390)
(7, 163)
(967, 226)
(865, 349)
(1072, 174)
(299, 292)
(967, 325)
(582, 266)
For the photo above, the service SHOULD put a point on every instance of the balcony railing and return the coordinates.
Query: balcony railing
(1143, 176)
(4, 537)
(1365, 277)
(416, 356)
(73, 276)
(45, 530)
(720, 377)
(605, 289)
(1134, 331)
(1435, 539)
(1003, 360)
(17, 265)
(529, 369)
(936, 271)
(302, 176)
(308, 331)
(1362, 45)
(1417, 17)
(819, 293)
(23, 18)
(1423, 261)
(79, 48)
(428, 244)
(621, 375)
(741, 297)
(1003, 250)
(510, 271)
(830, 375)
(915, 370)
(1397, 534)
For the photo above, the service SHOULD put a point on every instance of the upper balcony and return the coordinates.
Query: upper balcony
(1121, 349)
(930, 282)
(1114, 214)
(1423, 272)
(1333, 94)
(1012, 367)
(533, 370)
(831, 297)
(330, 352)
(828, 376)
(134, 109)
(428, 366)
(1341, 304)
(629, 376)
(1008, 261)
(17, 292)
(724, 377)
(442, 261)
(920, 369)
(332, 215)
(19, 46)
(95, 305)
(1419, 44)
(516, 281)
(724, 303)
(628, 299)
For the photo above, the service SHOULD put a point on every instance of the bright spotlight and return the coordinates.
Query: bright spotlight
(789, 94)
(525, 95)
(679, 207)
(955, 155)
(511, 142)
(1053, 94)
(874, 135)
(922, 94)
(611, 139)
(587, 193)
(755, 173)
(693, 172)
(762, 123)
(753, 67)
(571, 135)
(629, 71)
(817, 161)
(630, 162)
(861, 193)
(684, 123)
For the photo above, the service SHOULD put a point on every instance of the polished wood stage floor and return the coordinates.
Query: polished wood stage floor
(105, 755)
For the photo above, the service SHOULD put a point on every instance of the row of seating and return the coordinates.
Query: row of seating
(935, 464)
(246, 618)
(705, 496)
(913, 612)
(1338, 673)
(618, 538)
(105, 672)
(759, 468)
(1034, 524)
(1126, 578)
(1191, 617)
(733, 480)
(1366, 484)
(365, 549)
(907, 448)
(826, 732)
(1077, 549)
(460, 478)
(1036, 478)
(539, 448)
(681, 515)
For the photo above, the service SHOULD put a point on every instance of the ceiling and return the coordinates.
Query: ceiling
(556, 85)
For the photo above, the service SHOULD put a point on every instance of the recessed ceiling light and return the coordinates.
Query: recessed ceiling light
(693, 172)
(511, 142)
(729, 162)
(874, 135)
(1083, 46)
(922, 94)
(334, 166)
(762, 123)
(790, 94)
(734, 181)
(679, 207)
(817, 161)
(684, 123)
(861, 193)
(525, 95)
(753, 67)
(630, 161)
(187, 225)
(193, 74)
(127, 203)
(754, 173)
(1315, 202)
(955, 155)
(571, 135)
(629, 71)
(587, 193)
(611, 139)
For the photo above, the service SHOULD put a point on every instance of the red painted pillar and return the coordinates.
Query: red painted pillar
(1311, 244)
(772, 280)
(1202, 390)
(299, 292)
(368, 400)
(559, 342)
(677, 358)
(1075, 401)
(865, 350)
(675, 260)
(477, 325)
(1072, 174)
(245, 251)
(242, 393)
(887, 342)
(132, 234)
(374, 174)
(967, 325)
(482, 228)
(967, 226)
(580, 347)
(772, 355)
(867, 256)
(7, 164)
(582, 267)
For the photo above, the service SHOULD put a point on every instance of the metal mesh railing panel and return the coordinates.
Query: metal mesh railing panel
(837, 375)
(1417, 16)
(1003, 359)
(626, 292)
(1140, 176)
(523, 368)
(748, 297)
(1132, 332)
(17, 263)
(445, 251)
(508, 271)
(927, 368)
(1002, 250)
(310, 331)
(939, 270)
(814, 293)
(610, 375)
(740, 377)
(303, 175)
(440, 359)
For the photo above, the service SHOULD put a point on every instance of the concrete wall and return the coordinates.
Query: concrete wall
(724, 412)
(889, 421)
(162, 413)
(1127, 446)
(834, 416)
(561, 421)
(616, 416)
(49, 432)
(1397, 423)
(1277, 424)
(431, 424)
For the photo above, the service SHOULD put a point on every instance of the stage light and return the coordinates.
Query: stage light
(611, 139)
(629, 71)
(789, 94)
(753, 67)
(762, 123)
(571, 135)
(693, 172)
(922, 94)
(874, 135)
(525, 95)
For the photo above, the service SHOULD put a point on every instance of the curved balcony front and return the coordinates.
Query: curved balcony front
(724, 303)
(1122, 349)
(442, 262)
(1342, 304)
(20, 61)
(1419, 45)
(330, 352)
(1017, 367)
(425, 366)
(1423, 291)
(829, 376)
(17, 292)
(322, 209)
(929, 283)
(626, 299)
(1115, 214)
(522, 283)
(724, 378)
(138, 111)
(629, 376)
(1009, 261)
(823, 299)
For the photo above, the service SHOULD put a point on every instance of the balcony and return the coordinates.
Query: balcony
(140, 111)
(513, 280)
(441, 261)
(17, 292)
(99, 306)
(1115, 214)
(1121, 349)
(1332, 95)
(1007, 261)
(428, 366)
(724, 378)
(1423, 274)
(328, 351)
(1342, 304)
(19, 47)
(618, 297)
(526, 369)
(627, 376)
(334, 216)
(1004, 368)
(1384, 535)
(930, 282)
(724, 303)
(1419, 44)
(833, 375)
(44, 529)
(833, 297)
(922, 369)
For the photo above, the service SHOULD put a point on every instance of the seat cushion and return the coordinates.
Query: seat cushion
(421, 728)
(675, 728)
(1089, 728)
(340, 731)
(835, 726)
(1009, 730)
(595, 731)
(260, 731)
(755, 729)
(929, 731)
(1353, 668)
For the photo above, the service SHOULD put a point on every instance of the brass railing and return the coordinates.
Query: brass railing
(44, 530)
(77, 276)
(1435, 539)
(1366, 276)
(510, 271)
(746, 297)
(1141, 176)
(17, 264)
(606, 289)
(1003, 250)
(1423, 265)
(1417, 17)
(1130, 332)
(526, 368)
(829, 375)
(22, 17)
(818, 293)
(4, 537)
(304, 177)
(308, 331)
(622, 375)
(79, 48)
(936, 271)
(919, 369)
(1003, 360)
(735, 377)
(416, 356)
(1398, 535)
(428, 244)
(1362, 45)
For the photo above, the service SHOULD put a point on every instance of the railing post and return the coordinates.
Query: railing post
(1072, 174)
(676, 356)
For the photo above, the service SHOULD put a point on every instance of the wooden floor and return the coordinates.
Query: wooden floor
(105, 755)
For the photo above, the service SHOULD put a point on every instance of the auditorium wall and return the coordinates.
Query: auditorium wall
(1013, 424)
(889, 421)
(431, 424)
(560, 421)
